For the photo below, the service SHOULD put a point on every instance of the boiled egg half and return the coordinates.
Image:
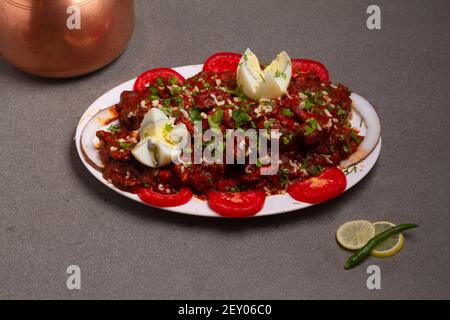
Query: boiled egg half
(270, 83)
(160, 140)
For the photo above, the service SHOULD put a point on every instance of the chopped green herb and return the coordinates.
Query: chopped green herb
(179, 101)
(239, 116)
(167, 110)
(340, 111)
(268, 123)
(311, 127)
(283, 174)
(173, 80)
(168, 127)
(215, 119)
(160, 82)
(153, 90)
(234, 189)
(264, 80)
(314, 170)
(280, 74)
(355, 136)
(125, 145)
(308, 105)
(287, 138)
(288, 112)
(206, 85)
(194, 113)
(114, 128)
(258, 163)
(175, 90)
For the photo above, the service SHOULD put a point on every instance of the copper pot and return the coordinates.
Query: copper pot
(64, 38)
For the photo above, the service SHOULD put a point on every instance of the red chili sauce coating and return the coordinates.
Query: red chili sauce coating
(313, 119)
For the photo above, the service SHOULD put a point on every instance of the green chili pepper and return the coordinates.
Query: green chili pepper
(364, 252)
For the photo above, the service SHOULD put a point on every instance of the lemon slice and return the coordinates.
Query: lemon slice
(391, 245)
(353, 235)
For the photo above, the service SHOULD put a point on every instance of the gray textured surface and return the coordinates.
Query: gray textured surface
(53, 213)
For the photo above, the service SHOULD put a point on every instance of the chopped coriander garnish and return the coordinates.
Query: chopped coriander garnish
(308, 105)
(215, 119)
(287, 112)
(258, 163)
(159, 81)
(125, 145)
(268, 123)
(175, 90)
(166, 109)
(206, 85)
(173, 80)
(240, 116)
(114, 128)
(234, 189)
(280, 74)
(264, 80)
(355, 136)
(153, 90)
(340, 111)
(287, 138)
(194, 113)
(311, 127)
(314, 170)
(178, 101)
(283, 174)
(168, 127)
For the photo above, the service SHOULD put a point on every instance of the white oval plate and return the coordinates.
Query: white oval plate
(274, 204)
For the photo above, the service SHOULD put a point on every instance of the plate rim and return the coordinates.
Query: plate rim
(197, 207)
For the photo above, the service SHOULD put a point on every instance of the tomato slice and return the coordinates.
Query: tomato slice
(307, 65)
(222, 61)
(237, 204)
(165, 200)
(150, 76)
(327, 185)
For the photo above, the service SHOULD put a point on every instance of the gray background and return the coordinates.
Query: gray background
(53, 213)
